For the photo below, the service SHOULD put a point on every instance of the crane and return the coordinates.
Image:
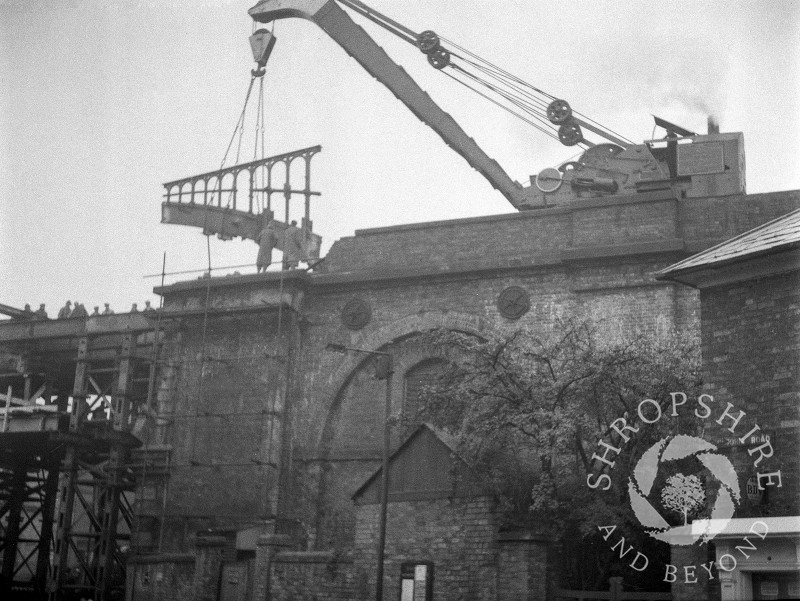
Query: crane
(684, 164)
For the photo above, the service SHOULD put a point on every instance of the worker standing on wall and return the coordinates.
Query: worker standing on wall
(267, 240)
(293, 246)
(65, 311)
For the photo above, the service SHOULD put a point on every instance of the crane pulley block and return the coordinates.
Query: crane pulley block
(261, 43)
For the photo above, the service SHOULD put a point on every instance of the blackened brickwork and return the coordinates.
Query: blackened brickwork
(263, 351)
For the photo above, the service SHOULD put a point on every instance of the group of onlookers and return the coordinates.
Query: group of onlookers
(79, 310)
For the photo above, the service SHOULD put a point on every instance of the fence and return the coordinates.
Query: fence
(614, 593)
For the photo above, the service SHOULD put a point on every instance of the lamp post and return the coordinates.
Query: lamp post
(383, 371)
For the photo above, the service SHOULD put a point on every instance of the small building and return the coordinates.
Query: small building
(750, 330)
(444, 538)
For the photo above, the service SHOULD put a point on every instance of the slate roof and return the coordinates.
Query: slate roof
(779, 234)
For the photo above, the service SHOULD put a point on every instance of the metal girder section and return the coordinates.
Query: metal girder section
(46, 537)
(93, 480)
(118, 456)
(13, 511)
(230, 223)
(212, 201)
(68, 485)
(29, 493)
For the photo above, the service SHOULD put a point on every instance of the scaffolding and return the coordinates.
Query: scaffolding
(74, 395)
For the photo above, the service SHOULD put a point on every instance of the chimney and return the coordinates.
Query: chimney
(713, 126)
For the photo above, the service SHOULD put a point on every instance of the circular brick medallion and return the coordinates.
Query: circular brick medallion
(513, 302)
(356, 314)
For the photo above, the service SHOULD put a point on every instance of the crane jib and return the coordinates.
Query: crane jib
(358, 44)
(694, 168)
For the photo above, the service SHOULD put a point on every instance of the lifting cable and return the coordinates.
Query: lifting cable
(267, 417)
(239, 126)
(240, 130)
(546, 132)
(514, 95)
(515, 84)
(260, 130)
(259, 137)
(527, 101)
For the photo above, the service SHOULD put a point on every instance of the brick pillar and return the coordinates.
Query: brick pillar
(267, 546)
(208, 566)
(687, 561)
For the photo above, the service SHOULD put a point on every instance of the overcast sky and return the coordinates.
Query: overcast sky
(102, 102)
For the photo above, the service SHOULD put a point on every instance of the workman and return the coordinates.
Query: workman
(79, 311)
(65, 311)
(267, 240)
(293, 246)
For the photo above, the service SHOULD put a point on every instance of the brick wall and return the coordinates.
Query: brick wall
(596, 257)
(337, 419)
(525, 570)
(161, 577)
(459, 536)
(314, 577)
(751, 358)
(545, 233)
(224, 433)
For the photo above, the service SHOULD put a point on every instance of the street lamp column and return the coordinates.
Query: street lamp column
(384, 369)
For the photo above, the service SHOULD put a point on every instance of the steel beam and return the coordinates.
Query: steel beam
(69, 478)
(17, 495)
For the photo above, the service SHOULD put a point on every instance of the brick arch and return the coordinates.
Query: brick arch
(339, 370)
(342, 367)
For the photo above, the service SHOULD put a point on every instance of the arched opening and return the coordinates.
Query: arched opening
(417, 380)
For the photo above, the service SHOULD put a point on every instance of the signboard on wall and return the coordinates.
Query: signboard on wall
(416, 581)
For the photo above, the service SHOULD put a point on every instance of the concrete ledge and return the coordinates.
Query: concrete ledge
(464, 269)
(212, 540)
(576, 205)
(590, 253)
(622, 287)
(295, 276)
(162, 558)
(315, 557)
(523, 536)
